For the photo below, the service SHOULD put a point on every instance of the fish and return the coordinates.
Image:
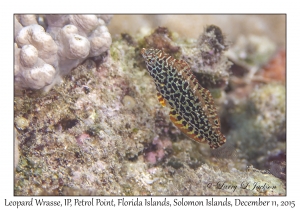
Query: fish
(192, 108)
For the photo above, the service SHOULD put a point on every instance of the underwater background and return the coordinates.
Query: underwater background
(88, 122)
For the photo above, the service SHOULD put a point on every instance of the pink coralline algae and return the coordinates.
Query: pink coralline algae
(83, 137)
(157, 155)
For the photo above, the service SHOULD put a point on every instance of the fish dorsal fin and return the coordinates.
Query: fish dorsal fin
(201, 93)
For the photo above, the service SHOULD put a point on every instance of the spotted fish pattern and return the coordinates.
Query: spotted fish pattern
(192, 106)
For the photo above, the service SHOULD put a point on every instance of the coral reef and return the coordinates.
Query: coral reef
(16, 149)
(161, 38)
(207, 60)
(35, 59)
(251, 50)
(191, 25)
(256, 93)
(49, 46)
(265, 114)
(102, 131)
(275, 69)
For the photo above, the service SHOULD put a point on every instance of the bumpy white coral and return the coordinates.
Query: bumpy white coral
(39, 77)
(18, 27)
(27, 20)
(72, 45)
(30, 70)
(36, 36)
(85, 23)
(78, 37)
(100, 41)
(41, 56)
(28, 55)
(73, 48)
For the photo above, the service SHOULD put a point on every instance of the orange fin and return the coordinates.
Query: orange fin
(161, 100)
(184, 127)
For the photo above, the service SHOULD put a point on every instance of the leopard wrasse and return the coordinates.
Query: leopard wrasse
(192, 106)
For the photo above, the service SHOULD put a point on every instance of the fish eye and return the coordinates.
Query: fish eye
(151, 61)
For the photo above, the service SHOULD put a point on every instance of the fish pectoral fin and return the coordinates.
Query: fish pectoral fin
(161, 99)
(184, 127)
